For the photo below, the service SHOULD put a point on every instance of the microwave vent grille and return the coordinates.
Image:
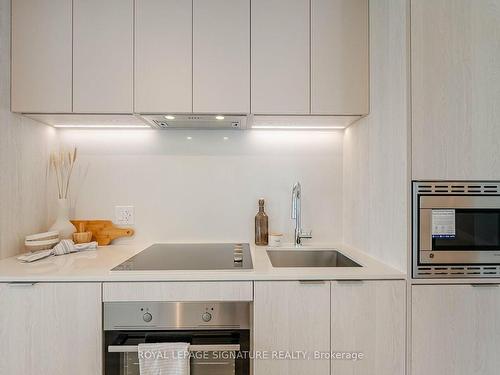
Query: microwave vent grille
(457, 271)
(458, 188)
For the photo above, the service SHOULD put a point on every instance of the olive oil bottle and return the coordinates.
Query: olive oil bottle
(261, 226)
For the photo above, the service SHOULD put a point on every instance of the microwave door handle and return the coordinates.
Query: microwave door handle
(192, 348)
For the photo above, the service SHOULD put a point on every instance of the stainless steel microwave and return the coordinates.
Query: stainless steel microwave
(456, 229)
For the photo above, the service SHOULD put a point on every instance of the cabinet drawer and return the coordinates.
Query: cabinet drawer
(179, 291)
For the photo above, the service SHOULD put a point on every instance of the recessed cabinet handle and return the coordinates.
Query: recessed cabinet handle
(485, 285)
(21, 285)
(352, 281)
(311, 282)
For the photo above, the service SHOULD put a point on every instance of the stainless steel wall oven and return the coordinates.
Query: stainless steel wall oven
(456, 229)
(219, 334)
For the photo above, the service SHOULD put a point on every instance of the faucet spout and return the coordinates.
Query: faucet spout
(296, 191)
(297, 214)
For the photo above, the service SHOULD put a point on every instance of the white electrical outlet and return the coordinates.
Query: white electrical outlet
(124, 215)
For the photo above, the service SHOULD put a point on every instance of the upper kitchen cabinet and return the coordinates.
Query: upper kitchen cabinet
(103, 56)
(163, 56)
(280, 56)
(339, 57)
(274, 57)
(455, 89)
(310, 57)
(41, 56)
(221, 56)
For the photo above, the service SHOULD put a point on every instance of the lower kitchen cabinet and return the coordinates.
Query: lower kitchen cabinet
(369, 317)
(326, 320)
(51, 329)
(455, 330)
(291, 316)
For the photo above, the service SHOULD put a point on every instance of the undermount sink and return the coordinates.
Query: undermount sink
(309, 258)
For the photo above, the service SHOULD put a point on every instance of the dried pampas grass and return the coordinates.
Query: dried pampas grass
(62, 163)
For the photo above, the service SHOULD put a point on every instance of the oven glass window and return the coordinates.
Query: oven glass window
(475, 229)
(207, 363)
(203, 362)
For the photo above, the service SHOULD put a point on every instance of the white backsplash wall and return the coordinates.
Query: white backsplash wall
(206, 188)
(24, 154)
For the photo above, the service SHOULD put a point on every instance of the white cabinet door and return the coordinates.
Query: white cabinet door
(103, 56)
(41, 56)
(221, 56)
(455, 54)
(339, 57)
(369, 317)
(51, 329)
(291, 316)
(455, 330)
(280, 56)
(163, 56)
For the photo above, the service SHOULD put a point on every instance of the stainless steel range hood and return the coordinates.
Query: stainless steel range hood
(193, 121)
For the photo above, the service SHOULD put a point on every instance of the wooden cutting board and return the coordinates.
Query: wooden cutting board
(103, 231)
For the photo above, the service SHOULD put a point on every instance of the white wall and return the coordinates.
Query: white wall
(206, 188)
(376, 169)
(24, 149)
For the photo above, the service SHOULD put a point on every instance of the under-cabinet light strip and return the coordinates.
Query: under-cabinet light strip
(270, 127)
(291, 127)
(104, 126)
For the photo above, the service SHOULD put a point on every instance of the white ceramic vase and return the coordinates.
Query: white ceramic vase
(62, 223)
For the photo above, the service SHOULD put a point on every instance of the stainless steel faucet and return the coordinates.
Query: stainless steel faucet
(297, 215)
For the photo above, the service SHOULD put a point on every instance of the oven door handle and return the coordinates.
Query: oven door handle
(192, 348)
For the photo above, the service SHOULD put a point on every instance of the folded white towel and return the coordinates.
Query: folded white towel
(36, 255)
(166, 358)
(68, 246)
(63, 247)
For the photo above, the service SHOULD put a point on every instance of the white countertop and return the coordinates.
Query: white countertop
(96, 265)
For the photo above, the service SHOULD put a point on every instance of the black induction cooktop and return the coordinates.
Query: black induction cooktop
(165, 257)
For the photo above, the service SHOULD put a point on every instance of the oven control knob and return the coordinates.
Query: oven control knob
(206, 317)
(147, 317)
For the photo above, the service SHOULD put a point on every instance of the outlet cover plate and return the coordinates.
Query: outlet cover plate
(124, 215)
